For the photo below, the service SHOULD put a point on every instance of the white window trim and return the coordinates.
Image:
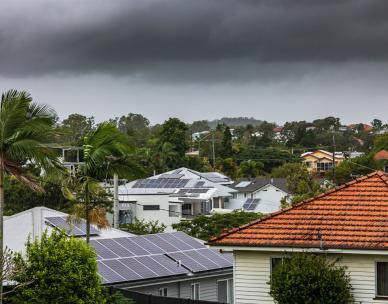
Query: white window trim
(228, 283)
(161, 291)
(193, 293)
(376, 294)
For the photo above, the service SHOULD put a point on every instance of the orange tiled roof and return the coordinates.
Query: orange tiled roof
(383, 154)
(352, 216)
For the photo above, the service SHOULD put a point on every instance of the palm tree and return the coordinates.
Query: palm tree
(105, 153)
(25, 130)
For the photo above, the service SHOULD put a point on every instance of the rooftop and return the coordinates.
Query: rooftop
(351, 216)
(252, 185)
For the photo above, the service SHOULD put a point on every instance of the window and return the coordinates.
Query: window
(187, 209)
(195, 291)
(216, 203)
(173, 211)
(382, 279)
(225, 291)
(308, 164)
(163, 292)
(275, 262)
(324, 166)
(151, 207)
(245, 195)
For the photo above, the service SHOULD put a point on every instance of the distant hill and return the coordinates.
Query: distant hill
(235, 121)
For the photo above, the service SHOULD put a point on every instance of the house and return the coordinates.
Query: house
(262, 194)
(382, 156)
(278, 133)
(364, 127)
(320, 160)
(166, 264)
(33, 222)
(173, 196)
(348, 222)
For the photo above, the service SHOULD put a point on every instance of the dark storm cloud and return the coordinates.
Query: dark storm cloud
(138, 36)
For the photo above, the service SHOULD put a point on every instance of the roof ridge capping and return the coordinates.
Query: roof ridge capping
(383, 176)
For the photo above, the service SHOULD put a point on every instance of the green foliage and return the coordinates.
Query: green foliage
(18, 197)
(204, 227)
(353, 168)
(227, 166)
(299, 182)
(380, 143)
(227, 148)
(74, 127)
(141, 227)
(250, 169)
(62, 270)
(174, 132)
(117, 298)
(304, 278)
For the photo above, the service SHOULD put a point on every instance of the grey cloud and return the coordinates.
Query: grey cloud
(168, 38)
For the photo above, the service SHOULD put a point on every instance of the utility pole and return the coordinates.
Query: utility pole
(214, 152)
(334, 179)
(115, 201)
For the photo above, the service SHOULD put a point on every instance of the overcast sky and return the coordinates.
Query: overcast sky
(277, 60)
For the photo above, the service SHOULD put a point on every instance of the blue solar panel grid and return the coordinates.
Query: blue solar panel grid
(251, 204)
(74, 229)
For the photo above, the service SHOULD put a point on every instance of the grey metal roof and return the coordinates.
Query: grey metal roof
(258, 183)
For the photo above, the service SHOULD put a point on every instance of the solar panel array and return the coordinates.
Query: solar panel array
(161, 183)
(193, 191)
(171, 175)
(74, 229)
(154, 256)
(199, 184)
(251, 204)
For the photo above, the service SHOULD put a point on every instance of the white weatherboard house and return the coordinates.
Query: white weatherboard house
(261, 194)
(33, 222)
(174, 196)
(166, 264)
(350, 222)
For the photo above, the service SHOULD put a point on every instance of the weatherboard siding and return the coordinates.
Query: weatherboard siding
(252, 272)
(208, 288)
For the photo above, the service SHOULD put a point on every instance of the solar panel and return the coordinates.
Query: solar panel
(199, 184)
(161, 183)
(163, 244)
(121, 268)
(142, 270)
(154, 256)
(132, 246)
(188, 240)
(187, 261)
(115, 247)
(74, 229)
(251, 204)
(172, 175)
(107, 274)
(102, 251)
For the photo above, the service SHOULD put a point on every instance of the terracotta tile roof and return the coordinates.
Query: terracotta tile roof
(383, 154)
(352, 216)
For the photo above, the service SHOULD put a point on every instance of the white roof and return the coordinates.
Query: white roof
(32, 223)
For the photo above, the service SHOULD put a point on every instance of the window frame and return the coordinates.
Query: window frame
(377, 296)
(193, 290)
(163, 292)
(229, 284)
(282, 257)
(151, 207)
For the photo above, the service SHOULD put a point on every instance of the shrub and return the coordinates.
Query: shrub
(305, 278)
(61, 270)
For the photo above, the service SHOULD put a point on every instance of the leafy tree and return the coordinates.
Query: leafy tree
(174, 132)
(304, 278)
(118, 298)
(226, 145)
(105, 154)
(205, 227)
(197, 163)
(141, 227)
(62, 270)
(250, 168)
(353, 168)
(227, 166)
(377, 124)
(74, 127)
(299, 182)
(380, 143)
(25, 130)
(199, 126)
(18, 197)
